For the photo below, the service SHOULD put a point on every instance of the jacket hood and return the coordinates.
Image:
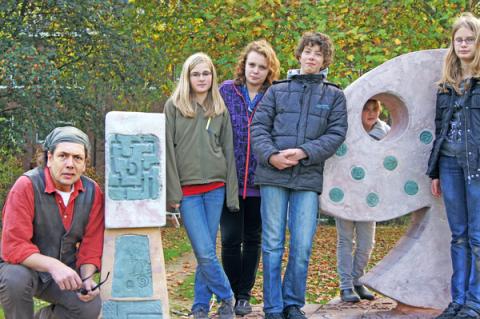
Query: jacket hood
(293, 72)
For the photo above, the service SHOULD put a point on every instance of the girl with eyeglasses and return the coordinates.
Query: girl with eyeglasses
(454, 164)
(201, 175)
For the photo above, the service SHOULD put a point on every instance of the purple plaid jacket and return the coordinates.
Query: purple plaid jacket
(244, 157)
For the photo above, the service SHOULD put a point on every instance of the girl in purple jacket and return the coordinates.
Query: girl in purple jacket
(257, 68)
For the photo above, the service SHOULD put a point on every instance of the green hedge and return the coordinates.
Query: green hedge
(10, 170)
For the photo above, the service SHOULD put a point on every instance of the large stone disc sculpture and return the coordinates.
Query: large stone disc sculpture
(369, 180)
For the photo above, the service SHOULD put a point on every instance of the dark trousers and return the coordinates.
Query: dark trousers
(241, 245)
(18, 286)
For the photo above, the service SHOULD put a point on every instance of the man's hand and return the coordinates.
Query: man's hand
(65, 277)
(173, 206)
(435, 188)
(91, 294)
(284, 159)
(87, 271)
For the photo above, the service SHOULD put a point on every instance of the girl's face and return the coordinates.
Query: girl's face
(256, 68)
(201, 78)
(311, 60)
(464, 44)
(370, 115)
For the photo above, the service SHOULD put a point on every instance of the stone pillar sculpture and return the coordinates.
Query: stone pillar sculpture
(369, 180)
(134, 213)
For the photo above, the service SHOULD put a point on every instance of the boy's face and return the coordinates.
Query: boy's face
(370, 115)
(311, 60)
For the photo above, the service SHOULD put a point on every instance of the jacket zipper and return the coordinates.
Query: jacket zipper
(467, 153)
(296, 168)
(249, 122)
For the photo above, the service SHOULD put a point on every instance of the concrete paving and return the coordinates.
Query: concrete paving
(377, 309)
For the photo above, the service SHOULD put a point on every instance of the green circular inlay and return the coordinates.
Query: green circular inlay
(411, 188)
(342, 150)
(390, 163)
(358, 173)
(372, 199)
(426, 137)
(336, 194)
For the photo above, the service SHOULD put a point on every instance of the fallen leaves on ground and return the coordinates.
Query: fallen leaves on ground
(322, 281)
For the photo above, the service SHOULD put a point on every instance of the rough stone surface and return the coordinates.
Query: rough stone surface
(135, 170)
(134, 212)
(132, 272)
(157, 265)
(417, 270)
(132, 310)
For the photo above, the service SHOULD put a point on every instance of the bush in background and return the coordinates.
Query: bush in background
(10, 170)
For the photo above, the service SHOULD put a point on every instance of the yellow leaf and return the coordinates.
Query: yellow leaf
(350, 57)
(397, 41)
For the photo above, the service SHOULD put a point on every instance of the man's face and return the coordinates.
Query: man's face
(67, 164)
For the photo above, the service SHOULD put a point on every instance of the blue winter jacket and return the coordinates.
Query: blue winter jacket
(303, 112)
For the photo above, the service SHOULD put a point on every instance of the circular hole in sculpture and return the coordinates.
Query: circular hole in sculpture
(384, 116)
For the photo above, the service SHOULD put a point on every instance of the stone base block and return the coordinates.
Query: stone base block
(137, 287)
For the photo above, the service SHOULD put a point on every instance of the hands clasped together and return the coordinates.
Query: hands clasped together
(287, 158)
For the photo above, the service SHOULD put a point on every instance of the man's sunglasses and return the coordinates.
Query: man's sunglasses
(84, 291)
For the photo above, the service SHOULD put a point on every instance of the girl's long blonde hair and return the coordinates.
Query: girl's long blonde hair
(452, 68)
(184, 98)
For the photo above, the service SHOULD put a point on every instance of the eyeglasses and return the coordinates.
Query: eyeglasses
(205, 74)
(84, 291)
(469, 40)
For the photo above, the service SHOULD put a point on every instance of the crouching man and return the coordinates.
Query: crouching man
(52, 237)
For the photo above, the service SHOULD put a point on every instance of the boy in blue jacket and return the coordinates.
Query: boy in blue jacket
(299, 124)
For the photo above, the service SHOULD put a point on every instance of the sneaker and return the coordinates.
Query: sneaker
(294, 312)
(274, 315)
(450, 312)
(467, 313)
(200, 314)
(225, 311)
(243, 307)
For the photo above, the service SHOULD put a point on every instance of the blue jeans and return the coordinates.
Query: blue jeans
(201, 217)
(462, 203)
(300, 209)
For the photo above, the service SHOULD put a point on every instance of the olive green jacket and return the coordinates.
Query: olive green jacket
(199, 151)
